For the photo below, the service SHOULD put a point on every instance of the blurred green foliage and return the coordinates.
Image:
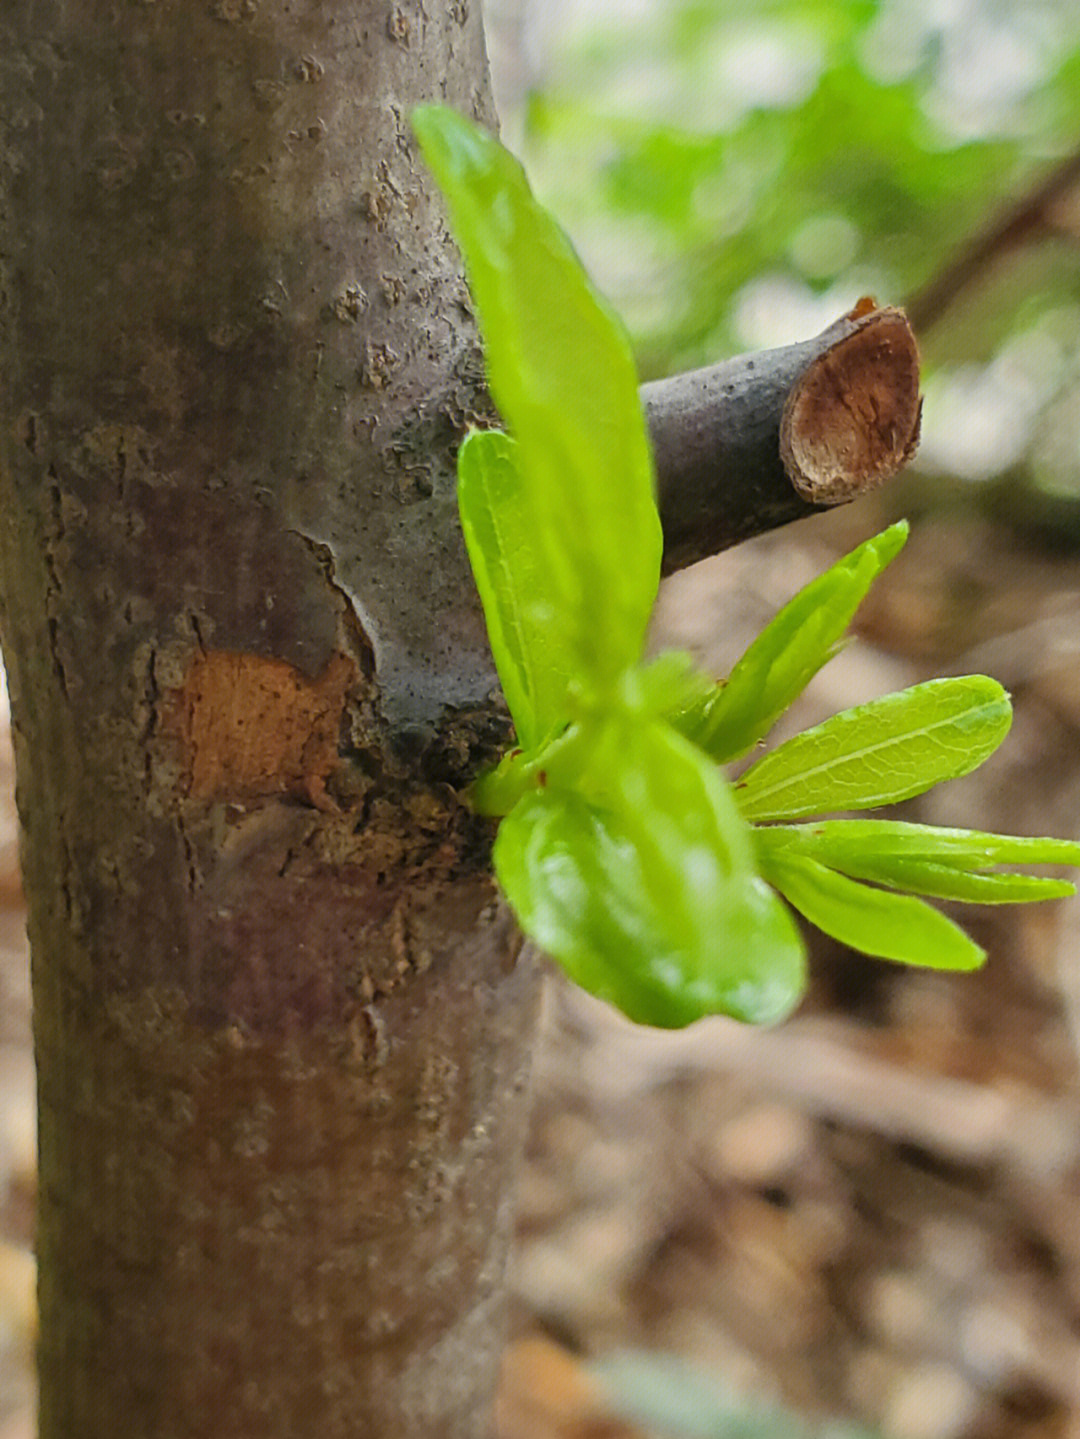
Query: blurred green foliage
(815, 164)
(736, 174)
(675, 1399)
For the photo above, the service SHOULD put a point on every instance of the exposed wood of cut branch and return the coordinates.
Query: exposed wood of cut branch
(1033, 215)
(756, 441)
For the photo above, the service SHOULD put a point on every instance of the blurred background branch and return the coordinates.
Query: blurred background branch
(1051, 206)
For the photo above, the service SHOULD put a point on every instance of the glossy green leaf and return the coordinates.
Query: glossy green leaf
(945, 864)
(651, 901)
(786, 655)
(530, 639)
(874, 921)
(881, 752)
(563, 377)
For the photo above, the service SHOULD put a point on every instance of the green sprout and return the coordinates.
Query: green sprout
(624, 851)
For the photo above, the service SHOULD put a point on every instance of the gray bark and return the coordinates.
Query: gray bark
(281, 1020)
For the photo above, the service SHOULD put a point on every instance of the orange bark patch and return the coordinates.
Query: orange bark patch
(249, 726)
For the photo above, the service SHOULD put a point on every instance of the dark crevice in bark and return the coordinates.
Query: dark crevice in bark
(54, 587)
(151, 696)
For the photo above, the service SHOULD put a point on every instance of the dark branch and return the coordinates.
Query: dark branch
(754, 442)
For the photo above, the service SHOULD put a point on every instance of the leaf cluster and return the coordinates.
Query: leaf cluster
(623, 849)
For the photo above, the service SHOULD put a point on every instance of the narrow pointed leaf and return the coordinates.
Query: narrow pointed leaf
(563, 377)
(938, 877)
(943, 881)
(530, 639)
(905, 857)
(881, 752)
(874, 921)
(837, 842)
(651, 901)
(784, 658)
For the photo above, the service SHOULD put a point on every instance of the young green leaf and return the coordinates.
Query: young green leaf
(888, 926)
(530, 640)
(565, 760)
(495, 792)
(881, 752)
(644, 691)
(837, 842)
(786, 655)
(944, 881)
(936, 877)
(907, 857)
(650, 901)
(665, 683)
(562, 374)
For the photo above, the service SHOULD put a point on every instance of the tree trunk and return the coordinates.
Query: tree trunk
(282, 1023)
